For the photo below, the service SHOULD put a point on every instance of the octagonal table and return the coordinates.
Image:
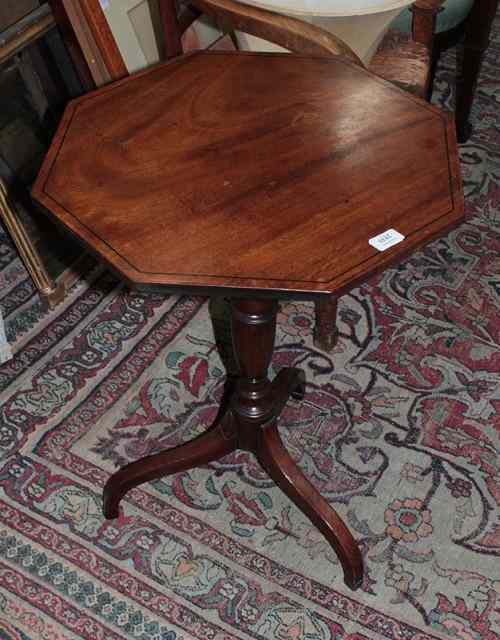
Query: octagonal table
(255, 176)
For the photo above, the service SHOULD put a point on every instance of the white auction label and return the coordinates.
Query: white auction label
(386, 239)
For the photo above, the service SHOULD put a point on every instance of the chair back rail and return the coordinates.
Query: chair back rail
(288, 32)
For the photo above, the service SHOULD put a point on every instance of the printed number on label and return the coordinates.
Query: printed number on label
(386, 239)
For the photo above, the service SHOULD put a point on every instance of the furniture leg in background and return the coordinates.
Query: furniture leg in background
(477, 34)
(50, 290)
(325, 330)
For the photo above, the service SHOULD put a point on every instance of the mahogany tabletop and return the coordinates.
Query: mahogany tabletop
(251, 171)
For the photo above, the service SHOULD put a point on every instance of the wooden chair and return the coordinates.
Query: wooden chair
(406, 58)
(430, 29)
(469, 22)
(404, 61)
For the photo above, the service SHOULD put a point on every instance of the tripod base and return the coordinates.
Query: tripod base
(250, 423)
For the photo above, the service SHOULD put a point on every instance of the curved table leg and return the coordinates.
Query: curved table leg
(278, 463)
(257, 403)
(211, 445)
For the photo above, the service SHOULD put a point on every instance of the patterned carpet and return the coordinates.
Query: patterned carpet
(399, 430)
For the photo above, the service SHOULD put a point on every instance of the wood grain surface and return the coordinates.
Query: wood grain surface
(252, 171)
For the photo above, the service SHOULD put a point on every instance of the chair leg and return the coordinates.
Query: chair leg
(210, 445)
(325, 331)
(477, 33)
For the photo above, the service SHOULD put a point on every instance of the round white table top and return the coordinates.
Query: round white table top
(330, 8)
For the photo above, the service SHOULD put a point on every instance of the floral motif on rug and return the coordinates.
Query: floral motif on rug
(399, 430)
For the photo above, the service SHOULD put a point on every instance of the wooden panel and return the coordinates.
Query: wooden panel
(13, 10)
(86, 41)
(74, 46)
(99, 28)
(89, 41)
(25, 31)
